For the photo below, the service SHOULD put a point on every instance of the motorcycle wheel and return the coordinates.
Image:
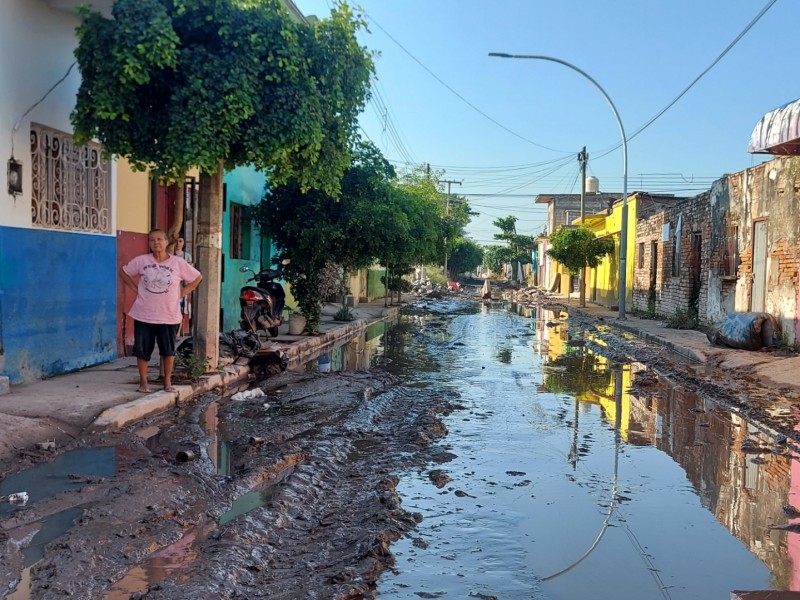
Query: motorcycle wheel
(273, 331)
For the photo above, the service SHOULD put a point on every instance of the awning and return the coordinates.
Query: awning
(778, 132)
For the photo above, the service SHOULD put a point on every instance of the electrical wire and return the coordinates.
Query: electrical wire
(459, 96)
(728, 48)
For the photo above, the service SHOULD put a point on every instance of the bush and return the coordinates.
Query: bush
(189, 366)
(344, 314)
(684, 319)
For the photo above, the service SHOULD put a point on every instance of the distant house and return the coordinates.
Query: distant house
(562, 210)
(673, 249)
(603, 281)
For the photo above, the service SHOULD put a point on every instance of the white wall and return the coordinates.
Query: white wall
(36, 50)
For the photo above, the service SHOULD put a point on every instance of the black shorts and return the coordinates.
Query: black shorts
(147, 335)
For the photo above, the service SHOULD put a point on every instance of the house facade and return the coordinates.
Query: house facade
(731, 249)
(755, 220)
(58, 282)
(562, 210)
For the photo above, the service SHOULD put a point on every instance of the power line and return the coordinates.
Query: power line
(459, 96)
(696, 79)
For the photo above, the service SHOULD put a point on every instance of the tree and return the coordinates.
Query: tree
(174, 85)
(466, 256)
(496, 257)
(577, 249)
(313, 228)
(519, 246)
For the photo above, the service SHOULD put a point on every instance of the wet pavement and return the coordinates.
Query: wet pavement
(576, 476)
(566, 460)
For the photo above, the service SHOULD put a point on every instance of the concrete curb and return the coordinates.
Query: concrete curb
(645, 335)
(298, 352)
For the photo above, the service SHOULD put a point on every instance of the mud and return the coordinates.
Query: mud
(316, 457)
(288, 495)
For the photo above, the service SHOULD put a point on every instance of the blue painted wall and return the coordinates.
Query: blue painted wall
(245, 186)
(57, 302)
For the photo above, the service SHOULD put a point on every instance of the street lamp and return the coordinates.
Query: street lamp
(623, 250)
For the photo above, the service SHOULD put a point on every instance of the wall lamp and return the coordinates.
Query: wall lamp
(14, 176)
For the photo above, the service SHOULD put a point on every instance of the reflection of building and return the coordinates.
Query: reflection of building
(744, 488)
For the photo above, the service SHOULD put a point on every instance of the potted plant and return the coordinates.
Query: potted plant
(297, 322)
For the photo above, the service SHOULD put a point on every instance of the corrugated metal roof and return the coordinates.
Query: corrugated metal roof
(778, 131)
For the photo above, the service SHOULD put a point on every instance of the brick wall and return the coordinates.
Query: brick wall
(673, 292)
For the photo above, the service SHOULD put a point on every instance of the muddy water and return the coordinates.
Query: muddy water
(575, 477)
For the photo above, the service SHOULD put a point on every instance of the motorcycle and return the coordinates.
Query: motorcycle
(262, 304)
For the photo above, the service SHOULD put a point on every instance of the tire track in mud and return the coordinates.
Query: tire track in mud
(322, 473)
(326, 530)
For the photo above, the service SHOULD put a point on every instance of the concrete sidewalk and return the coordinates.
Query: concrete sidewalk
(774, 369)
(105, 396)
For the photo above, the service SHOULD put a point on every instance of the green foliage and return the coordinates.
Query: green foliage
(496, 257)
(344, 314)
(436, 275)
(398, 282)
(373, 219)
(578, 248)
(684, 319)
(518, 247)
(189, 365)
(649, 313)
(465, 256)
(190, 83)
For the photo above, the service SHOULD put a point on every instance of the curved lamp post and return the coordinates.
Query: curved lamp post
(623, 250)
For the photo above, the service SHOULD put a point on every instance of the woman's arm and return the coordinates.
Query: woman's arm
(128, 280)
(189, 287)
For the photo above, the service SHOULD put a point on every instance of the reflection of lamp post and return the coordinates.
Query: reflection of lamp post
(623, 250)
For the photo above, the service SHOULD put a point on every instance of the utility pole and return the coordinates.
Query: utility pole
(449, 182)
(583, 158)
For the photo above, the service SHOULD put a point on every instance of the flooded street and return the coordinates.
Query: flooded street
(564, 484)
(461, 451)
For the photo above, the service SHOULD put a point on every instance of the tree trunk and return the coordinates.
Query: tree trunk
(175, 229)
(582, 285)
(209, 262)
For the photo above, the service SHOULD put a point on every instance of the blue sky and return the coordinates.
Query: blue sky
(511, 129)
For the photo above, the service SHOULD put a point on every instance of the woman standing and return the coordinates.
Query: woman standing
(158, 280)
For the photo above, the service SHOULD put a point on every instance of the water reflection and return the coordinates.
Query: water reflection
(747, 481)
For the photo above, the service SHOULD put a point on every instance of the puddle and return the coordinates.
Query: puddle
(218, 451)
(50, 528)
(359, 353)
(161, 564)
(247, 502)
(56, 476)
(552, 437)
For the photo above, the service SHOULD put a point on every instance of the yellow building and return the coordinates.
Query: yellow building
(603, 281)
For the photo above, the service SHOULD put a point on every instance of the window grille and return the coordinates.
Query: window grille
(71, 184)
(641, 255)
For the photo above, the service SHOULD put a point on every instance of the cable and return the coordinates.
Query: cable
(47, 93)
(696, 79)
(459, 96)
